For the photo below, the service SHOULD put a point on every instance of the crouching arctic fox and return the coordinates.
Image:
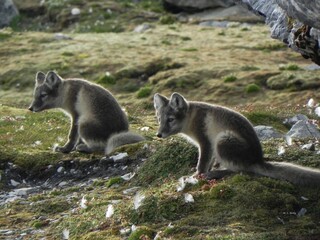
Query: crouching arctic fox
(97, 120)
(226, 139)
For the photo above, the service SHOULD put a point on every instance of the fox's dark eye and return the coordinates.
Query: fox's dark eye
(43, 95)
(170, 119)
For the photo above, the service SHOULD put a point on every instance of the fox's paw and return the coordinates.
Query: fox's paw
(62, 149)
(83, 148)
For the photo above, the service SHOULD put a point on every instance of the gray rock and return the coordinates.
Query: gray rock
(220, 24)
(61, 36)
(199, 4)
(14, 183)
(60, 169)
(234, 13)
(23, 191)
(312, 67)
(7, 12)
(291, 121)
(267, 132)
(301, 33)
(309, 146)
(303, 129)
(142, 28)
(30, 8)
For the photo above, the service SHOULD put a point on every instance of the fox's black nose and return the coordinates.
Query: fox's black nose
(30, 108)
(159, 135)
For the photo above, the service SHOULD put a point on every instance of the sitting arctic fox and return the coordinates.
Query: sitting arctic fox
(225, 138)
(97, 121)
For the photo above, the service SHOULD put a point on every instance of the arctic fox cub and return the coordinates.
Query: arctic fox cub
(97, 120)
(225, 138)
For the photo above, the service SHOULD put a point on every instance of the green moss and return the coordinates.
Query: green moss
(249, 68)
(166, 42)
(144, 92)
(167, 19)
(185, 38)
(52, 206)
(106, 79)
(290, 67)
(261, 117)
(297, 81)
(274, 46)
(38, 224)
(173, 158)
(67, 54)
(230, 78)
(189, 49)
(4, 35)
(252, 88)
(114, 180)
(222, 191)
(159, 206)
(183, 82)
(142, 233)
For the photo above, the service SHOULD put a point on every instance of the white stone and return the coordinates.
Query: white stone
(75, 11)
(14, 183)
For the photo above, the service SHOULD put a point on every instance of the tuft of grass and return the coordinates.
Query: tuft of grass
(144, 92)
(106, 79)
(166, 42)
(230, 78)
(189, 49)
(290, 67)
(185, 38)
(173, 158)
(252, 88)
(249, 68)
(167, 19)
(113, 181)
(274, 46)
(142, 233)
(266, 118)
(4, 35)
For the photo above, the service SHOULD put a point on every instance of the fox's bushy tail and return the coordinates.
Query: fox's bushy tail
(293, 173)
(122, 138)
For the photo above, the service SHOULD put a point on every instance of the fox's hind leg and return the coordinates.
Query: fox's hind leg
(93, 138)
(234, 152)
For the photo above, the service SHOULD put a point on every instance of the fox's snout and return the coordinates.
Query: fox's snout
(30, 108)
(159, 135)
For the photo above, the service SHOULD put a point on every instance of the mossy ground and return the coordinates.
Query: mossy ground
(192, 60)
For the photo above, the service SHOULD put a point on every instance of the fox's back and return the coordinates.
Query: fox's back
(217, 119)
(94, 103)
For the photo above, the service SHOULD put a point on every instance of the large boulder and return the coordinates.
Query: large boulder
(294, 22)
(30, 8)
(304, 129)
(7, 12)
(267, 132)
(191, 5)
(234, 14)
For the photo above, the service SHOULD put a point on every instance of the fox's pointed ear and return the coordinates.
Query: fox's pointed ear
(178, 102)
(53, 79)
(159, 101)
(40, 77)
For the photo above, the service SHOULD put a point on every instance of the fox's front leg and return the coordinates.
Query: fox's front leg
(205, 160)
(73, 139)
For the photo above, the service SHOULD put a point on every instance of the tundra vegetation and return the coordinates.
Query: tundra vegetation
(245, 70)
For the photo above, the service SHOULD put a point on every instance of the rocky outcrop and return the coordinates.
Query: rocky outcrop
(295, 22)
(190, 5)
(30, 8)
(7, 12)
